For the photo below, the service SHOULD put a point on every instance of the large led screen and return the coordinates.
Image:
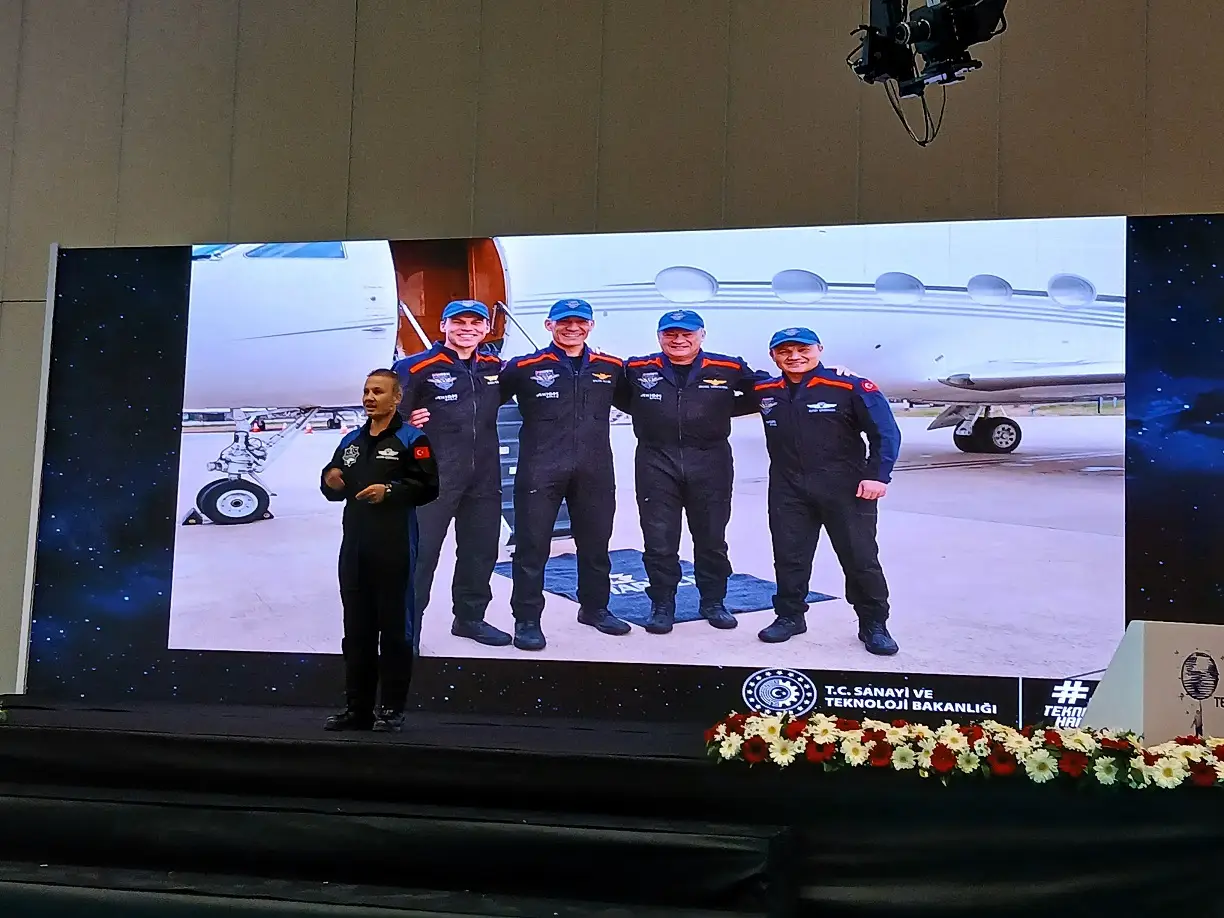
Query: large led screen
(981, 362)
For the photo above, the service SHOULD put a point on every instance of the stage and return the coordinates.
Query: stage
(179, 809)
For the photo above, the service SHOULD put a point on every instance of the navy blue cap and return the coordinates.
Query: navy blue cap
(682, 319)
(571, 309)
(793, 336)
(465, 308)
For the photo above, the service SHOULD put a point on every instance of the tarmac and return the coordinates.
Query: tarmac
(997, 565)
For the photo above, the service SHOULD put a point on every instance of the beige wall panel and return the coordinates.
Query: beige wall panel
(10, 45)
(65, 170)
(414, 118)
(1071, 115)
(538, 124)
(21, 344)
(174, 173)
(662, 141)
(956, 177)
(792, 127)
(292, 109)
(1185, 111)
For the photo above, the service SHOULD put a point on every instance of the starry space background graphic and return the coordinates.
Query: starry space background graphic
(1175, 419)
(107, 524)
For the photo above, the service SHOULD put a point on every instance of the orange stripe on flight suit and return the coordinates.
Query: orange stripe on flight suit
(818, 381)
(776, 384)
(708, 362)
(610, 359)
(436, 358)
(648, 362)
(528, 361)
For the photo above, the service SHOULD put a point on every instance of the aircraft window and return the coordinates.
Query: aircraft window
(989, 290)
(798, 286)
(207, 251)
(898, 288)
(298, 250)
(682, 284)
(1071, 290)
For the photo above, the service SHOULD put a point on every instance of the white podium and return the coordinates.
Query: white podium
(1163, 682)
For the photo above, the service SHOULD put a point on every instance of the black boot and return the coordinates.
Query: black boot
(714, 612)
(662, 616)
(528, 636)
(389, 721)
(877, 640)
(782, 629)
(480, 631)
(603, 621)
(349, 719)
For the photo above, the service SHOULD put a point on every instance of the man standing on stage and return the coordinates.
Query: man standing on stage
(564, 394)
(821, 476)
(682, 400)
(383, 471)
(458, 388)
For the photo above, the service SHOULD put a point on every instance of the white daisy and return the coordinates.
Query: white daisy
(1168, 772)
(1040, 766)
(967, 762)
(903, 758)
(730, 746)
(854, 751)
(783, 751)
(1106, 770)
(1080, 741)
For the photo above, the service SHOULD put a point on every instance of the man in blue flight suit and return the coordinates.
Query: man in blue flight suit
(382, 471)
(564, 394)
(822, 476)
(682, 400)
(458, 388)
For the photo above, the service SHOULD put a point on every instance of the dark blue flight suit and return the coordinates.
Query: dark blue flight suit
(682, 418)
(565, 453)
(377, 557)
(814, 432)
(463, 398)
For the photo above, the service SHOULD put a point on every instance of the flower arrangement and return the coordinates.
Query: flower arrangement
(959, 751)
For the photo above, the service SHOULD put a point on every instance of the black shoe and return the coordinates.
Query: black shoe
(603, 621)
(528, 636)
(349, 720)
(389, 722)
(481, 632)
(662, 616)
(782, 629)
(876, 639)
(714, 612)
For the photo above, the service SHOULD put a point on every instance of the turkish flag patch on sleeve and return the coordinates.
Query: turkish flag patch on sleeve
(421, 452)
(869, 386)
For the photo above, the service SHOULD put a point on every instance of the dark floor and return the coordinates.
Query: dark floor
(554, 736)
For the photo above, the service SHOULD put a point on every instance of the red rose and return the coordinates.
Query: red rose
(943, 759)
(900, 723)
(794, 729)
(1116, 744)
(881, 754)
(735, 723)
(755, 749)
(1202, 774)
(1190, 741)
(711, 735)
(873, 736)
(1027, 732)
(1001, 763)
(1053, 739)
(1149, 758)
(1073, 763)
(1219, 753)
(819, 752)
(844, 724)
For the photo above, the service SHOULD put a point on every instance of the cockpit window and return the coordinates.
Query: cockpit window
(207, 251)
(298, 250)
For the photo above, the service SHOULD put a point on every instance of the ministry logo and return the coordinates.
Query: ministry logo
(779, 691)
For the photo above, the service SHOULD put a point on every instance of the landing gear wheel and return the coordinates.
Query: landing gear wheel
(968, 443)
(998, 435)
(232, 501)
(333, 423)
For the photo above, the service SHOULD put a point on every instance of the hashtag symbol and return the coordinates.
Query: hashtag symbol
(1068, 692)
